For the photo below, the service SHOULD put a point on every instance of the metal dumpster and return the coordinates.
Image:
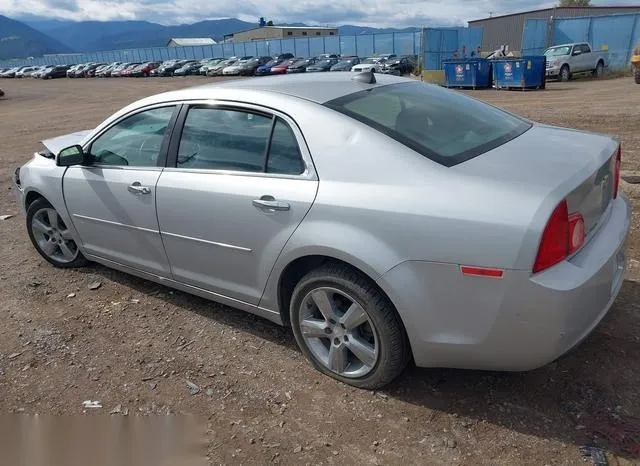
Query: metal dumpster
(472, 73)
(526, 72)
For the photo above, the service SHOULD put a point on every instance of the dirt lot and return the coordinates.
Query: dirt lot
(133, 345)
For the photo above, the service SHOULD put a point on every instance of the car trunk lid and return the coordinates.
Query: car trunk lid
(563, 163)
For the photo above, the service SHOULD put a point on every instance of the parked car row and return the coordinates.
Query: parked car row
(233, 66)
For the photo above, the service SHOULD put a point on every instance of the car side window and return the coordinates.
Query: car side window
(135, 141)
(586, 48)
(238, 140)
(284, 154)
(220, 139)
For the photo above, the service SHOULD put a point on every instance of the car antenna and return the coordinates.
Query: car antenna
(366, 77)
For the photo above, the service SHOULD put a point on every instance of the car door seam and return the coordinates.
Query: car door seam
(64, 200)
(176, 122)
(264, 289)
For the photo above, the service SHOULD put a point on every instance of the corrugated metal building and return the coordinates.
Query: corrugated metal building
(507, 29)
(280, 32)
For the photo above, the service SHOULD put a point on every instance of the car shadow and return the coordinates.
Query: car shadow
(590, 396)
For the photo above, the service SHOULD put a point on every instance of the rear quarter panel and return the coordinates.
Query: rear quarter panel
(380, 204)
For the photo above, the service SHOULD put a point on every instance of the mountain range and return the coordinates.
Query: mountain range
(35, 36)
(20, 40)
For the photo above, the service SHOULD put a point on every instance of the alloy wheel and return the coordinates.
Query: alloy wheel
(339, 332)
(53, 236)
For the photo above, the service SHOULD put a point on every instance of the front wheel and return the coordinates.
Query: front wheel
(347, 328)
(565, 74)
(51, 237)
(636, 76)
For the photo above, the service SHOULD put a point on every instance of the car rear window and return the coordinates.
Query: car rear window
(443, 125)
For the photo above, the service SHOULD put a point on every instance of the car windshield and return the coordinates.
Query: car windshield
(445, 126)
(557, 51)
(370, 61)
(272, 63)
(300, 62)
(328, 61)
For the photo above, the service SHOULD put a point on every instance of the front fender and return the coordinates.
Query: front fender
(42, 177)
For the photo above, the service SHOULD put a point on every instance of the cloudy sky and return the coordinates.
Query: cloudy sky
(395, 13)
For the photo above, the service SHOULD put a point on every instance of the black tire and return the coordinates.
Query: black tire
(599, 71)
(79, 261)
(393, 353)
(565, 73)
(636, 76)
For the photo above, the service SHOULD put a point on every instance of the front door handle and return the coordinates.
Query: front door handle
(269, 203)
(137, 188)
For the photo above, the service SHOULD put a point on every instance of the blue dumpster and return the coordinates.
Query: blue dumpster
(467, 72)
(526, 72)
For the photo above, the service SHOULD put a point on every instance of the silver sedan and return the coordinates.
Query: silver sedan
(383, 219)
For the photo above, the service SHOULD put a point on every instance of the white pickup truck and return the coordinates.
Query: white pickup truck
(563, 61)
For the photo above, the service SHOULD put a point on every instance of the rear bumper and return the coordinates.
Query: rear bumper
(520, 322)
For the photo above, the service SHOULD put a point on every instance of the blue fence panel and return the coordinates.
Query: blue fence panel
(289, 46)
(636, 36)
(331, 44)
(262, 49)
(230, 51)
(469, 39)
(404, 43)
(274, 47)
(443, 43)
(432, 46)
(571, 30)
(615, 34)
(364, 45)
(439, 43)
(534, 37)
(316, 46)
(383, 43)
(348, 45)
(302, 47)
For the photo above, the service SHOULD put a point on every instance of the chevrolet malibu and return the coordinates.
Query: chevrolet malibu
(384, 220)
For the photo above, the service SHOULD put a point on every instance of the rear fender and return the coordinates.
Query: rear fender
(367, 253)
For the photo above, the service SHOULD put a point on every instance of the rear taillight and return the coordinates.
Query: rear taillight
(554, 246)
(563, 235)
(616, 177)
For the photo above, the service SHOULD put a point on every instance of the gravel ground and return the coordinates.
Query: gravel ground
(140, 348)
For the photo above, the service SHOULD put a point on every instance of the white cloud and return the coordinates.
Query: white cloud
(393, 13)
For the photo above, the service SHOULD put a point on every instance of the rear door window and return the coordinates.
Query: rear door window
(238, 140)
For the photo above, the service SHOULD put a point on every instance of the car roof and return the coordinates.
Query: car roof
(319, 89)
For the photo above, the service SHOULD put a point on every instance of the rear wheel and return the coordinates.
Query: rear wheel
(636, 75)
(347, 328)
(599, 71)
(565, 73)
(51, 237)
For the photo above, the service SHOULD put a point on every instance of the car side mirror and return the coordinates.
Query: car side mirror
(73, 155)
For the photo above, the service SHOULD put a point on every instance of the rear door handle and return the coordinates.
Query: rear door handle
(269, 203)
(137, 188)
